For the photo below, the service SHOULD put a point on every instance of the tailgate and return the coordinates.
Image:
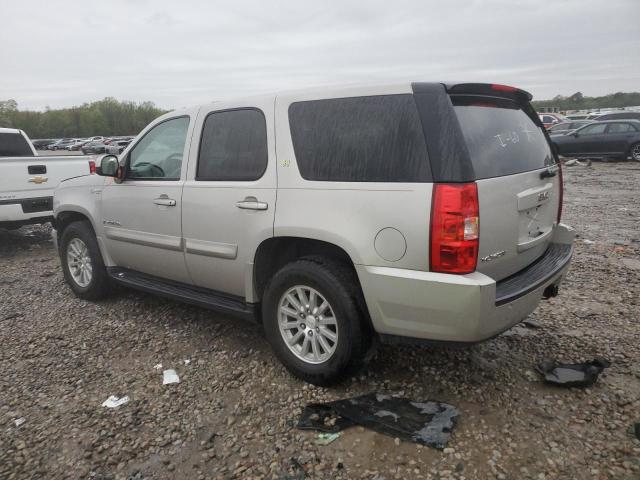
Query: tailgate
(519, 186)
(28, 177)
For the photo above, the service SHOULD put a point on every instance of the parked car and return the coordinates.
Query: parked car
(28, 180)
(619, 116)
(93, 147)
(602, 139)
(117, 147)
(550, 119)
(567, 127)
(76, 144)
(42, 143)
(58, 144)
(421, 211)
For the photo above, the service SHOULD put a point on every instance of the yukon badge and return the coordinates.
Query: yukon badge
(493, 256)
(115, 223)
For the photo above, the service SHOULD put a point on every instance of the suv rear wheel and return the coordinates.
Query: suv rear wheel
(82, 262)
(312, 321)
(634, 152)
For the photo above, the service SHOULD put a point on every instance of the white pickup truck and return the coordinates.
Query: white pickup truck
(27, 181)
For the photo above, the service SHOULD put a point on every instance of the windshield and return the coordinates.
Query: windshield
(501, 137)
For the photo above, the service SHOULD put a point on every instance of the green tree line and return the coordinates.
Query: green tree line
(105, 117)
(578, 101)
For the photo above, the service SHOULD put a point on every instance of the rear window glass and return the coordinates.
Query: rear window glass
(233, 146)
(501, 138)
(360, 139)
(14, 145)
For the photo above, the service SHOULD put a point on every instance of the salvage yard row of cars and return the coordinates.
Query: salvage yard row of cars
(303, 236)
(606, 135)
(91, 145)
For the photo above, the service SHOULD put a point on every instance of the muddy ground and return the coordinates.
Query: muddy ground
(234, 411)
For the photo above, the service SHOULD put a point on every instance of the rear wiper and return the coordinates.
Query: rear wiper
(549, 172)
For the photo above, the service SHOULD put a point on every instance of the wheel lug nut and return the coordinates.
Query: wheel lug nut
(311, 333)
(303, 326)
(318, 329)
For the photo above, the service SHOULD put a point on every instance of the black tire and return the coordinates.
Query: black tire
(338, 285)
(631, 149)
(100, 285)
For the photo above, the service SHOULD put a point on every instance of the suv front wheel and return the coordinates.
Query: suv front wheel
(82, 262)
(312, 321)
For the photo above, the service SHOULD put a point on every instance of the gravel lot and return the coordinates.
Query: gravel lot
(233, 413)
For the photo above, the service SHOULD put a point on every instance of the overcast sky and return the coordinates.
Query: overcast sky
(177, 53)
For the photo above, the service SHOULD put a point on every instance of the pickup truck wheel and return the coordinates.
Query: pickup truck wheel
(312, 321)
(82, 262)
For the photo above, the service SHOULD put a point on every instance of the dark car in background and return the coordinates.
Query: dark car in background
(567, 127)
(42, 143)
(602, 139)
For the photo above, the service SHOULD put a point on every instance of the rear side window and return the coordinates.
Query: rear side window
(620, 128)
(233, 146)
(501, 137)
(14, 145)
(360, 139)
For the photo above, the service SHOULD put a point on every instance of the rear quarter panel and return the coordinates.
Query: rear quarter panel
(350, 214)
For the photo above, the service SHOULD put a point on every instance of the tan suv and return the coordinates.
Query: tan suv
(333, 218)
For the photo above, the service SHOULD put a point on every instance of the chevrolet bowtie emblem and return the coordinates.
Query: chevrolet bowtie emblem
(38, 180)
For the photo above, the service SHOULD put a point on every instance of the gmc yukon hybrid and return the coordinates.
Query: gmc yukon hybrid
(333, 218)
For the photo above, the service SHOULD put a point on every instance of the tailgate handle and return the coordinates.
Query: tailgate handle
(37, 169)
(549, 172)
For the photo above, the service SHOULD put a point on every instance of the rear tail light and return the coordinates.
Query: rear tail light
(455, 228)
(92, 167)
(561, 195)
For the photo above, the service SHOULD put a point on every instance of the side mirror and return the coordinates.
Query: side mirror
(109, 166)
(575, 134)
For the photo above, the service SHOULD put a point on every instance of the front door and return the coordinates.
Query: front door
(229, 196)
(591, 139)
(142, 214)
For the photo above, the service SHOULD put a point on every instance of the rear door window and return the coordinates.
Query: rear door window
(360, 139)
(501, 137)
(233, 146)
(14, 145)
(620, 128)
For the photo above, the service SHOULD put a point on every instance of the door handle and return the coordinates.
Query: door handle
(252, 203)
(164, 200)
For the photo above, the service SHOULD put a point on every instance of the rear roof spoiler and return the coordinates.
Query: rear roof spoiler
(492, 89)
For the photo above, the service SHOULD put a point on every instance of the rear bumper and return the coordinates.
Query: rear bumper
(460, 308)
(26, 210)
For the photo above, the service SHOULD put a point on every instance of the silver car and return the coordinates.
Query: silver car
(332, 218)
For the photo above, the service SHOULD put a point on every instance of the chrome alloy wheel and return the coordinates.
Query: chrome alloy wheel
(635, 152)
(79, 262)
(307, 324)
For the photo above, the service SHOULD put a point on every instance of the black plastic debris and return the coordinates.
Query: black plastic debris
(572, 374)
(427, 423)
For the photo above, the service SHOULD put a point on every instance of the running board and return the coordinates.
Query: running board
(201, 297)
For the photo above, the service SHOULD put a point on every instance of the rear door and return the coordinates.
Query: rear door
(590, 140)
(517, 177)
(618, 136)
(229, 197)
